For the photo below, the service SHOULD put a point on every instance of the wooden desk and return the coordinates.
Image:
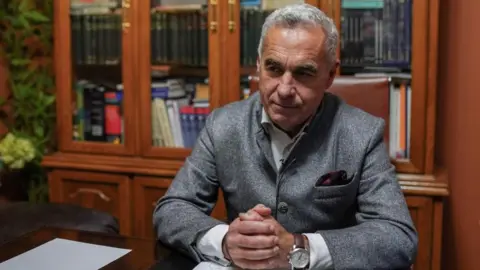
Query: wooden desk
(144, 254)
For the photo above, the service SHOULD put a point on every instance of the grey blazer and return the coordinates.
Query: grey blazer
(365, 223)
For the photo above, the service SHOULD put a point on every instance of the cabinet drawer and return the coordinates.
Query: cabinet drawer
(105, 192)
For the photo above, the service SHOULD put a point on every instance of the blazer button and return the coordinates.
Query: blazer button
(283, 207)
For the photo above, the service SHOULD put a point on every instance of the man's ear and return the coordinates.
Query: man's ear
(258, 64)
(332, 73)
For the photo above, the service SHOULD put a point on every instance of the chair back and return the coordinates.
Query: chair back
(368, 94)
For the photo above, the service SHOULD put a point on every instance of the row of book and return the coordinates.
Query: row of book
(376, 33)
(179, 37)
(400, 116)
(179, 109)
(373, 33)
(176, 122)
(400, 112)
(98, 113)
(96, 36)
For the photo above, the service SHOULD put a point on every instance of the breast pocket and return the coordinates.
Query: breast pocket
(336, 205)
(337, 191)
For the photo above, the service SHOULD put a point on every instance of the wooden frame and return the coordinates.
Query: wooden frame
(145, 68)
(63, 69)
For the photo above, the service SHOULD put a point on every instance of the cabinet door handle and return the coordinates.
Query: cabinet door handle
(213, 21)
(94, 191)
(231, 15)
(125, 8)
(333, 6)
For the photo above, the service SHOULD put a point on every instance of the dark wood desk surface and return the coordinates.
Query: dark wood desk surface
(144, 255)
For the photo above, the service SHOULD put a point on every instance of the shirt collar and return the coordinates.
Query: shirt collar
(267, 123)
(269, 126)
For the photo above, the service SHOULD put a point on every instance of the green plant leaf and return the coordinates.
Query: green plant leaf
(20, 62)
(35, 16)
(39, 131)
(48, 100)
(23, 6)
(21, 21)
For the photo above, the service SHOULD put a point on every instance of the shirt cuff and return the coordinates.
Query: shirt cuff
(320, 257)
(210, 244)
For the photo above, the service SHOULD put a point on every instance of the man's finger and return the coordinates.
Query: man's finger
(250, 215)
(255, 254)
(249, 227)
(256, 241)
(262, 210)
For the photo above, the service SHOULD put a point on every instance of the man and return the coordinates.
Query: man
(307, 180)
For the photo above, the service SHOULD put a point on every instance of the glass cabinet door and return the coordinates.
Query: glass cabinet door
(378, 40)
(176, 85)
(249, 16)
(91, 63)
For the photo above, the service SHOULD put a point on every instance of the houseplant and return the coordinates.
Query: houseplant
(26, 48)
(17, 154)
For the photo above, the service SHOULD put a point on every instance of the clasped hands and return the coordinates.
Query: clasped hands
(255, 240)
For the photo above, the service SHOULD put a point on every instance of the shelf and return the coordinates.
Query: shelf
(112, 164)
(178, 8)
(248, 70)
(180, 70)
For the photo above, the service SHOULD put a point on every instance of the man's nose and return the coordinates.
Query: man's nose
(285, 87)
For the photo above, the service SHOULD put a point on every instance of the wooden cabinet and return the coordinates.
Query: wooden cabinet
(129, 72)
(129, 191)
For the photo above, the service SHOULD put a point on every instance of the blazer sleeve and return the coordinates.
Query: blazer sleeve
(384, 237)
(183, 213)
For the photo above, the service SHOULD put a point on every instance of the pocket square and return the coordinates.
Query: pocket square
(332, 179)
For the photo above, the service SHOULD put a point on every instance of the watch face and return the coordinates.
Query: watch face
(300, 258)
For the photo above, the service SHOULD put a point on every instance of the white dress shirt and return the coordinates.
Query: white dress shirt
(210, 243)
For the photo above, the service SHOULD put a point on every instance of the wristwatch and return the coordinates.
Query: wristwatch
(299, 256)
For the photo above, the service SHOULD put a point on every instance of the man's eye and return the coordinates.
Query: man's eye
(274, 69)
(304, 73)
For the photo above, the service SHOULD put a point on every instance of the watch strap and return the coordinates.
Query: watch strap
(298, 241)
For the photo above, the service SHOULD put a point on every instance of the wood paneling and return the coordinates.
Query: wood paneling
(458, 131)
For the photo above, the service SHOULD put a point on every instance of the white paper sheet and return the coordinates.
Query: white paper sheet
(61, 254)
(211, 266)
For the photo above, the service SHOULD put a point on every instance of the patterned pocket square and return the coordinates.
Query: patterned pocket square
(332, 179)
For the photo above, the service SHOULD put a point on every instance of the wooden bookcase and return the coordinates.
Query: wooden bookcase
(127, 175)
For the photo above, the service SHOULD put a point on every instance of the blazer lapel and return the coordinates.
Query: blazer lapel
(266, 149)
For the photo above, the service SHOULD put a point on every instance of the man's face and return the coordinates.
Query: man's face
(294, 74)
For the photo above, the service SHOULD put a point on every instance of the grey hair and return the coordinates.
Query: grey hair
(303, 14)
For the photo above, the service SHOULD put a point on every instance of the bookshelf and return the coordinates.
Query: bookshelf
(135, 80)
